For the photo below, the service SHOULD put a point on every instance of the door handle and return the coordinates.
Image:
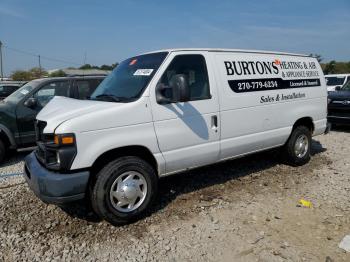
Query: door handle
(214, 123)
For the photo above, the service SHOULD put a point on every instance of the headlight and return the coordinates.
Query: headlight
(329, 100)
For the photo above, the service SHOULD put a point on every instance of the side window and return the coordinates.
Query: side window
(86, 87)
(47, 92)
(195, 68)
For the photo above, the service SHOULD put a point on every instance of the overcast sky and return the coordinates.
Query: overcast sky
(110, 31)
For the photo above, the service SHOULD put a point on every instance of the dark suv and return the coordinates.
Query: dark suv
(7, 89)
(18, 111)
(339, 105)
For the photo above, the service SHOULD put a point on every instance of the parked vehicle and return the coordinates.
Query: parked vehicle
(165, 112)
(339, 105)
(336, 81)
(18, 111)
(7, 89)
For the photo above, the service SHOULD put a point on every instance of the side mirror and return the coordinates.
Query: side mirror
(163, 94)
(337, 88)
(30, 102)
(177, 91)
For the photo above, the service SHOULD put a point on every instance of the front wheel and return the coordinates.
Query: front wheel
(124, 190)
(297, 148)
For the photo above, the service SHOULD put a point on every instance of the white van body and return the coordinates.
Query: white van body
(224, 104)
(335, 80)
(181, 136)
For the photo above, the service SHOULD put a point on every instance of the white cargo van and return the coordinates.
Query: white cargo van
(167, 111)
(334, 82)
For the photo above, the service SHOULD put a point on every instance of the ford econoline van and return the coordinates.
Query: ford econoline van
(168, 111)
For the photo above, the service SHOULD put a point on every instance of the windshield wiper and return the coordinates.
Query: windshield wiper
(112, 97)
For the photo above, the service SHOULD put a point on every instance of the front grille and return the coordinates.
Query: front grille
(44, 153)
(39, 129)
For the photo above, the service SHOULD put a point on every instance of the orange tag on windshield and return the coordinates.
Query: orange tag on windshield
(133, 62)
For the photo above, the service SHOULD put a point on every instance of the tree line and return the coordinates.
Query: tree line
(36, 72)
(332, 67)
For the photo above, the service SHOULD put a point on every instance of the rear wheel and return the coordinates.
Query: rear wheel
(124, 190)
(297, 148)
(2, 151)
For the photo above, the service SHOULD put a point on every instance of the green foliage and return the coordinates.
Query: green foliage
(21, 75)
(58, 73)
(334, 67)
(102, 67)
(88, 66)
(34, 73)
(106, 67)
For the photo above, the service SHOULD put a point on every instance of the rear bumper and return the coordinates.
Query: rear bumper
(52, 187)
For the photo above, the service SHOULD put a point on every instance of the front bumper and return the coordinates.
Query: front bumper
(52, 187)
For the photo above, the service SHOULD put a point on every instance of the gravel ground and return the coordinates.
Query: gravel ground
(240, 210)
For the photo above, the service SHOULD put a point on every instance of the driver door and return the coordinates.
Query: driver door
(188, 133)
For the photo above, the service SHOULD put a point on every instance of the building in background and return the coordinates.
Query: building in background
(80, 72)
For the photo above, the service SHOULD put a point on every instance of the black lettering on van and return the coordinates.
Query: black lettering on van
(245, 68)
(229, 69)
(236, 70)
(259, 67)
(251, 63)
(275, 68)
(267, 66)
(251, 67)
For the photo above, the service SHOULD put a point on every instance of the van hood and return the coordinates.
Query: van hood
(61, 109)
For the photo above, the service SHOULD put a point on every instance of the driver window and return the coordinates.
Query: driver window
(195, 68)
(47, 92)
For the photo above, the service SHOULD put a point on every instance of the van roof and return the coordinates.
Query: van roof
(227, 50)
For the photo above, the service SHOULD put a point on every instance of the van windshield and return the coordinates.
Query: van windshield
(335, 81)
(129, 79)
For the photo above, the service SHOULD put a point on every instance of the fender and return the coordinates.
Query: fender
(9, 135)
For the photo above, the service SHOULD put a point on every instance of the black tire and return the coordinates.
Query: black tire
(2, 151)
(289, 153)
(107, 176)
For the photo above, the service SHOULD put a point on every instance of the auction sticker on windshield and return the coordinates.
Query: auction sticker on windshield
(143, 72)
(24, 91)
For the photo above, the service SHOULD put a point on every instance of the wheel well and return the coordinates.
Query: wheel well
(139, 151)
(305, 121)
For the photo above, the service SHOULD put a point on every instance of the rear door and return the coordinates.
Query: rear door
(83, 88)
(188, 133)
(26, 115)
